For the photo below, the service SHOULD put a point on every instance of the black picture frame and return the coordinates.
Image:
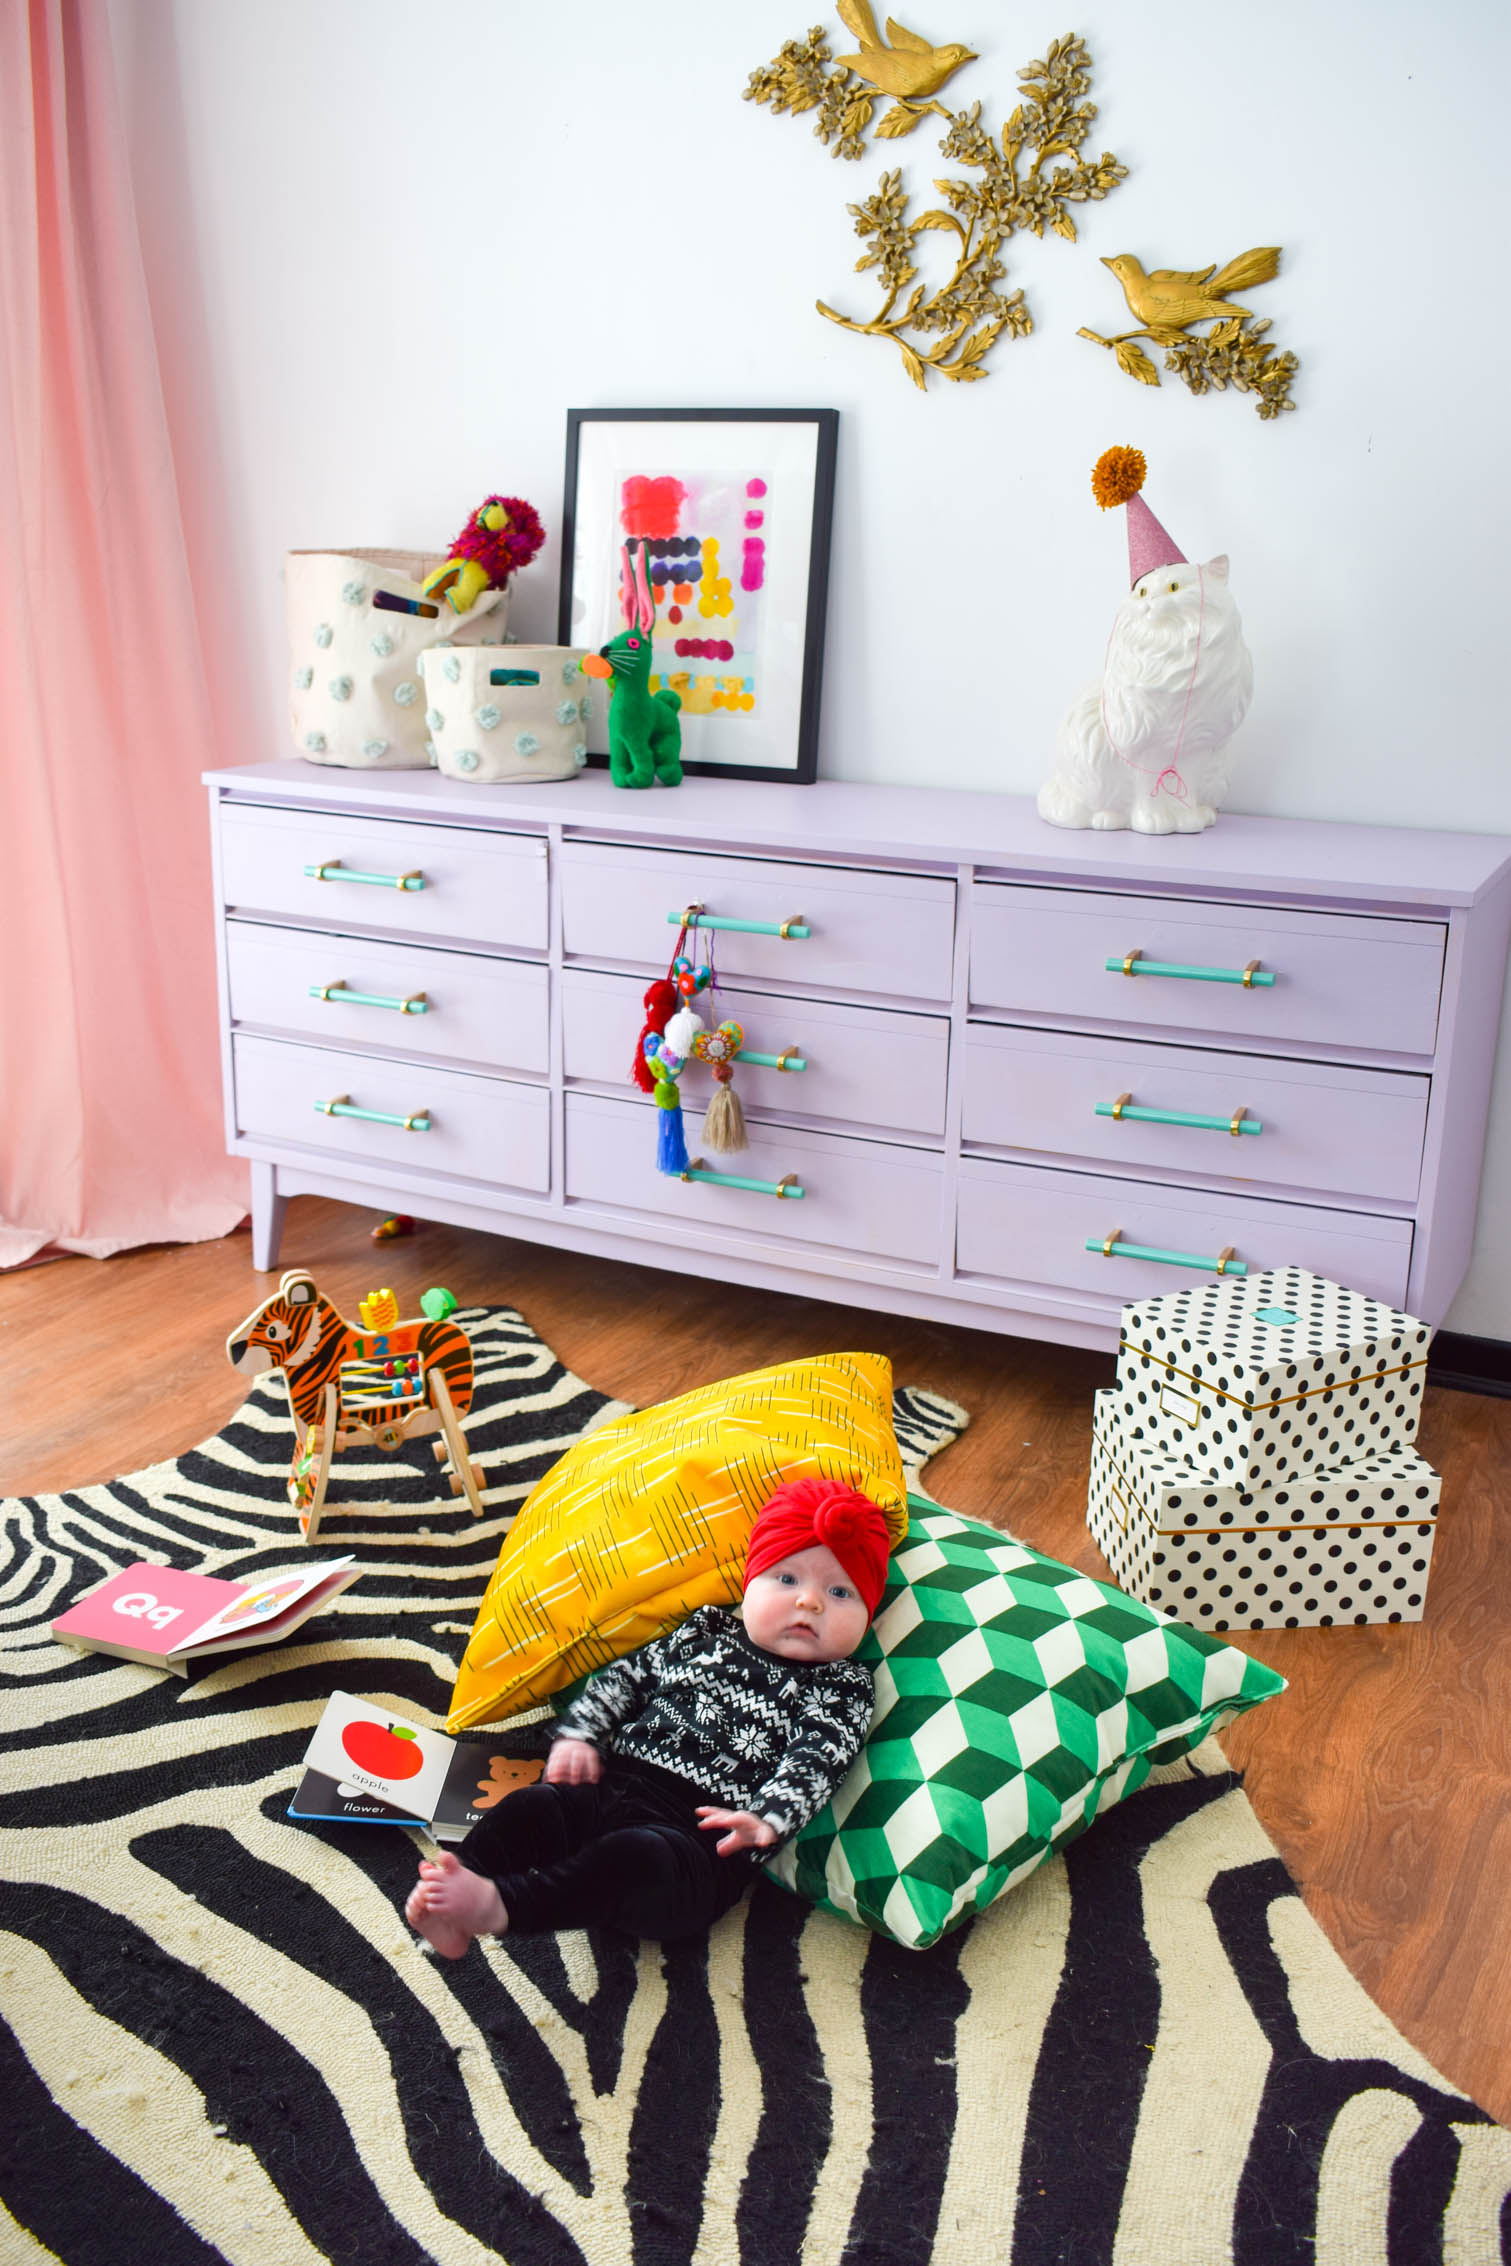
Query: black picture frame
(591, 537)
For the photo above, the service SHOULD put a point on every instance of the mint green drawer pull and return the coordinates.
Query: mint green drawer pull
(787, 1060)
(331, 869)
(342, 1106)
(1112, 1247)
(693, 916)
(1134, 964)
(1125, 1106)
(415, 1004)
(788, 1185)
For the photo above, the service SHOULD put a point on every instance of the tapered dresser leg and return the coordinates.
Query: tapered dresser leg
(268, 1208)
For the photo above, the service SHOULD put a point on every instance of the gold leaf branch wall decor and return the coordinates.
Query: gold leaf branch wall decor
(1168, 303)
(966, 316)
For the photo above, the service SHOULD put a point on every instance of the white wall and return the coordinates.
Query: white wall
(389, 245)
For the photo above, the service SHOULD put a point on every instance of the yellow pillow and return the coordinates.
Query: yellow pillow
(647, 1519)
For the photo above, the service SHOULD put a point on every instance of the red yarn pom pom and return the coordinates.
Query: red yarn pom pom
(660, 1004)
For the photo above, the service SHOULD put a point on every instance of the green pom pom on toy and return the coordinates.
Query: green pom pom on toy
(666, 1095)
(438, 1304)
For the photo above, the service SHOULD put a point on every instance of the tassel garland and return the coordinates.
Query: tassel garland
(670, 1037)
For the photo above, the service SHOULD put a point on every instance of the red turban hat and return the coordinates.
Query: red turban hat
(826, 1511)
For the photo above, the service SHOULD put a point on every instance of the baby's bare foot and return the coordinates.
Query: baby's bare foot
(450, 1905)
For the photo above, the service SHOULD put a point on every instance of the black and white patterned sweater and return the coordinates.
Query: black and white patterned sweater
(751, 1730)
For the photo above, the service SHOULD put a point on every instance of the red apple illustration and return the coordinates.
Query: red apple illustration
(384, 1753)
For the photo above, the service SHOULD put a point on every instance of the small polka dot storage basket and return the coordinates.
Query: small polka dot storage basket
(355, 694)
(508, 711)
(1253, 1466)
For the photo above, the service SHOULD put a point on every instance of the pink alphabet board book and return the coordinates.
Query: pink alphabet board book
(165, 1618)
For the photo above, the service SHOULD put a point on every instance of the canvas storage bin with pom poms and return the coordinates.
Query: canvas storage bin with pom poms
(355, 693)
(498, 712)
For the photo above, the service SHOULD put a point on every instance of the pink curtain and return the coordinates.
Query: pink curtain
(110, 1115)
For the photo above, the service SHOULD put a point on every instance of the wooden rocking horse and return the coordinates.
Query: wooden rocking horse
(372, 1384)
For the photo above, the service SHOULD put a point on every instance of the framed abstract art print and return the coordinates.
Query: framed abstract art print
(734, 508)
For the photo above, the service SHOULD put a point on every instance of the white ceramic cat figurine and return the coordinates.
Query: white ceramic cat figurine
(1146, 745)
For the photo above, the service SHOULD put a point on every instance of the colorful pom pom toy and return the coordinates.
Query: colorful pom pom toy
(502, 535)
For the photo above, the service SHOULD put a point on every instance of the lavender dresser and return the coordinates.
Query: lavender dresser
(994, 1073)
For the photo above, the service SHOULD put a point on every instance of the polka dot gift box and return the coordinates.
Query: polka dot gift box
(1270, 1378)
(507, 711)
(1351, 1546)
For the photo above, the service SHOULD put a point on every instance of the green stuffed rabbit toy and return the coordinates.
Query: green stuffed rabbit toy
(645, 737)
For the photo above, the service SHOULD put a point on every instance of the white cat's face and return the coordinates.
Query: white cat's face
(1174, 582)
(1167, 618)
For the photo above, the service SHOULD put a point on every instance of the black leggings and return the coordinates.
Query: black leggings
(625, 1852)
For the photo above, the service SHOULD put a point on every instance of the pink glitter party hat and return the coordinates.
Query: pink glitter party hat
(1116, 479)
(1149, 547)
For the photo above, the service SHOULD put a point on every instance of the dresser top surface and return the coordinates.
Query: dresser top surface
(1305, 858)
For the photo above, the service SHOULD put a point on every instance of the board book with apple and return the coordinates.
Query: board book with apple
(366, 1765)
(166, 1618)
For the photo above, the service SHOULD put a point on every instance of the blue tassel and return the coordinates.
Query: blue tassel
(671, 1145)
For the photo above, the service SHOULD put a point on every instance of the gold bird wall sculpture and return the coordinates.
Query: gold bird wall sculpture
(1168, 303)
(910, 68)
(1169, 300)
(1026, 176)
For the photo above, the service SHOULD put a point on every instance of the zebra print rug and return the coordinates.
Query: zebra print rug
(223, 2044)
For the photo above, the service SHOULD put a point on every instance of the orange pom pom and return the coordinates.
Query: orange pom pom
(1117, 474)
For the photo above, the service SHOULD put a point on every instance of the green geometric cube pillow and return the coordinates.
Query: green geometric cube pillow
(1015, 1699)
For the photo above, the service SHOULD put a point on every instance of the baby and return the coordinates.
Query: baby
(677, 1768)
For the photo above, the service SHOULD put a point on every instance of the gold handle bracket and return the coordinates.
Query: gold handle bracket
(1235, 1122)
(1250, 971)
(1224, 1255)
(788, 1180)
(1129, 958)
(1119, 1106)
(1116, 1237)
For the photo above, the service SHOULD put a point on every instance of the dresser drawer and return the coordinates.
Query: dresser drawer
(888, 933)
(470, 1009)
(1324, 1127)
(480, 888)
(863, 1065)
(860, 1197)
(1029, 1224)
(1339, 980)
(482, 1129)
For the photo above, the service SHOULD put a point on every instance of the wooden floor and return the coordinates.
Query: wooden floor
(1382, 1773)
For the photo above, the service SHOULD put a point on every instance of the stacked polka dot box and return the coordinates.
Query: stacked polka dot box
(507, 711)
(1254, 1468)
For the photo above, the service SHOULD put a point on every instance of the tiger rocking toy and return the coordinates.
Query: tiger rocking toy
(373, 1384)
